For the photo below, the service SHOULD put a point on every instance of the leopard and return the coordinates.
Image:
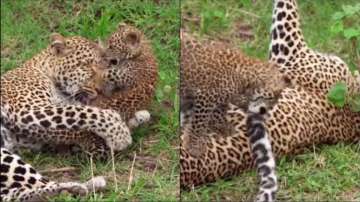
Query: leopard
(301, 118)
(212, 75)
(131, 76)
(34, 99)
(298, 121)
(260, 148)
(127, 83)
(216, 75)
(75, 77)
(305, 66)
(20, 181)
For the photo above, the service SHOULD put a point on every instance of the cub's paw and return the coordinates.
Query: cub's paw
(97, 183)
(141, 117)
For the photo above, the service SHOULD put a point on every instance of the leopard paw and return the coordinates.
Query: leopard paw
(141, 117)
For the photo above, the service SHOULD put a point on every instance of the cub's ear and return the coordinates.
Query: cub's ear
(133, 38)
(58, 46)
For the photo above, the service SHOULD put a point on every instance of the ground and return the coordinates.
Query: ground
(327, 173)
(153, 176)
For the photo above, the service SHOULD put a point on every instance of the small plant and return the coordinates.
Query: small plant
(343, 26)
(341, 21)
(346, 25)
(339, 96)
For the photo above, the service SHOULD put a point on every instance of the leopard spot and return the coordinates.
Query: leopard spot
(8, 159)
(45, 123)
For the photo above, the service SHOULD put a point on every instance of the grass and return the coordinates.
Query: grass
(25, 30)
(326, 173)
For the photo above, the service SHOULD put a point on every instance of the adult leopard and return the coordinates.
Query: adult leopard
(82, 83)
(128, 82)
(33, 110)
(212, 76)
(299, 120)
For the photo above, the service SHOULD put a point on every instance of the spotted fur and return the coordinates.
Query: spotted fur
(262, 153)
(127, 83)
(38, 113)
(131, 78)
(212, 75)
(302, 118)
(299, 120)
(308, 68)
(19, 181)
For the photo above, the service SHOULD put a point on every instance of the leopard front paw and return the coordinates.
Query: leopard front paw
(141, 117)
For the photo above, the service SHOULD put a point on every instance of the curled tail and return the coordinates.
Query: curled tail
(261, 150)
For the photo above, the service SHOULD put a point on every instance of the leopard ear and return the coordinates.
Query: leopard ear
(133, 39)
(58, 46)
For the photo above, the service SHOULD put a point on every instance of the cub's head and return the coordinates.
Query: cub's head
(265, 93)
(124, 48)
(265, 96)
(124, 44)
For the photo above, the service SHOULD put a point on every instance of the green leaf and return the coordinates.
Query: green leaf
(337, 94)
(354, 102)
(350, 10)
(338, 16)
(218, 14)
(351, 32)
(337, 28)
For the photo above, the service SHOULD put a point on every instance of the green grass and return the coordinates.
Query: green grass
(25, 30)
(329, 173)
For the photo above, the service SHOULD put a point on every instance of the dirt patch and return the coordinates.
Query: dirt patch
(242, 31)
(351, 195)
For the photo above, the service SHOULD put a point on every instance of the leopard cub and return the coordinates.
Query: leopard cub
(213, 76)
